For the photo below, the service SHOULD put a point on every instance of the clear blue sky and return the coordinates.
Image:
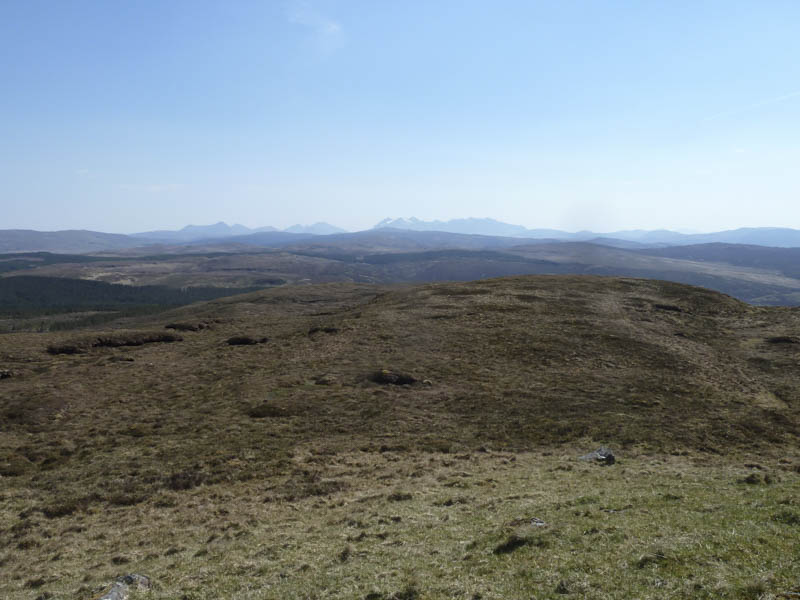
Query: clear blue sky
(127, 116)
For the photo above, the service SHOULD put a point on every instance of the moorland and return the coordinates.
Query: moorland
(408, 441)
(69, 291)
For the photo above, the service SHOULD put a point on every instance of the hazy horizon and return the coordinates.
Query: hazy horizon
(574, 116)
(685, 231)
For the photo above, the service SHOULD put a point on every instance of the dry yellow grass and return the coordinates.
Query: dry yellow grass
(279, 470)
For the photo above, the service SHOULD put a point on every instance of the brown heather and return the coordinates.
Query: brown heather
(302, 467)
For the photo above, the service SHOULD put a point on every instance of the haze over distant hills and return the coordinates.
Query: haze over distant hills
(194, 232)
(191, 233)
(315, 229)
(68, 241)
(756, 274)
(81, 241)
(471, 226)
(761, 236)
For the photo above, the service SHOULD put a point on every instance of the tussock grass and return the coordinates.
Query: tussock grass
(651, 527)
(231, 472)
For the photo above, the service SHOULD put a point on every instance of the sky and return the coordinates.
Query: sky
(570, 114)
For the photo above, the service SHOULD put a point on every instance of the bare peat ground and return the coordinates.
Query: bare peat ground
(282, 469)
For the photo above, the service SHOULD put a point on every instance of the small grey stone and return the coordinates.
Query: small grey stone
(120, 590)
(602, 455)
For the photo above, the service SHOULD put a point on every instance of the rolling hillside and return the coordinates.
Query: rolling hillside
(70, 241)
(757, 275)
(383, 442)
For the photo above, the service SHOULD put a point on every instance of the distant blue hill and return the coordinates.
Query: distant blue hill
(315, 229)
(468, 226)
(196, 232)
(394, 233)
(760, 236)
(193, 233)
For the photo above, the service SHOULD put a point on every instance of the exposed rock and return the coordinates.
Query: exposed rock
(121, 588)
(602, 456)
(532, 521)
(5, 374)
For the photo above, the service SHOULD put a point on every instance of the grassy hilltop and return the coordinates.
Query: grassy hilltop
(295, 466)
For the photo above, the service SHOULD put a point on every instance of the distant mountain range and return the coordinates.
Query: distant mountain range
(65, 242)
(315, 229)
(468, 226)
(759, 236)
(456, 233)
(191, 233)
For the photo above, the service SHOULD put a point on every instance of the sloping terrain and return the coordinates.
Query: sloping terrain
(393, 257)
(127, 450)
(764, 236)
(392, 240)
(458, 233)
(766, 281)
(782, 260)
(77, 241)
